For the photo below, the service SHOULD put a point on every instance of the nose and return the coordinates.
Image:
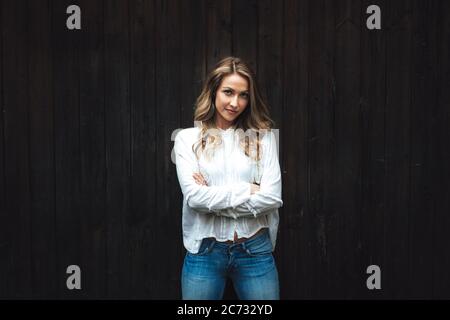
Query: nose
(234, 102)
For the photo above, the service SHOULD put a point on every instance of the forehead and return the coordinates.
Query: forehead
(235, 81)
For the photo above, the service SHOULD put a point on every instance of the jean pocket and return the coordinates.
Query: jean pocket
(259, 248)
(205, 247)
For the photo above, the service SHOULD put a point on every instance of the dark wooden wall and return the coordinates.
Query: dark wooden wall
(86, 126)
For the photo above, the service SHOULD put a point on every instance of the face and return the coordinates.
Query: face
(232, 98)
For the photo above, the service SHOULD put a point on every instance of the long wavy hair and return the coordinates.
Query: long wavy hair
(255, 116)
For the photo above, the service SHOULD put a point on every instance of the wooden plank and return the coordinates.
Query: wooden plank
(321, 137)
(218, 31)
(168, 101)
(193, 71)
(117, 146)
(92, 150)
(397, 148)
(4, 234)
(65, 76)
(270, 81)
(270, 55)
(144, 235)
(348, 147)
(193, 65)
(244, 28)
(441, 176)
(17, 244)
(424, 147)
(42, 153)
(373, 164)
(293, 244)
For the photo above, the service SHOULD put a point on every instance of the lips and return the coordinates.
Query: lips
(231, 111)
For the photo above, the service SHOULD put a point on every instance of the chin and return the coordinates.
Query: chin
(228, 118)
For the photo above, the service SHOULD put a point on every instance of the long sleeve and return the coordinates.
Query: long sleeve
(269, 195)
(204, 199)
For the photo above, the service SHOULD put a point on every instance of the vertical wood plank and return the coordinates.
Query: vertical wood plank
(270, 80)
(193, 64)
(168, 102)
(347, 123)
(42, 153)
(441, 185)
(373, 95)
(270, 55)
(219, 31)
(17, 245)
(4, 234)
(92, 150)
(322, 149)
(244, 26)
(144, 234)
(65, 45)
(397, 148)
(193, 70)
(117, 146)
(293, 248)
(424, 147)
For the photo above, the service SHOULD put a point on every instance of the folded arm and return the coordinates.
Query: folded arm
(268, 197)
(205, 199)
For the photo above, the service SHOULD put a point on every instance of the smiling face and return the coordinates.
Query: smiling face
(232, 97)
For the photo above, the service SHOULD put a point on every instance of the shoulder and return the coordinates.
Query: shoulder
(269, 143)
(188, 135)
(268, 137)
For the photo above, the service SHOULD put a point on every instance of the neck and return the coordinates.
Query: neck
(223, 125)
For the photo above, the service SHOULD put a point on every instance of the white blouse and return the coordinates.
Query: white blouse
(225, 205)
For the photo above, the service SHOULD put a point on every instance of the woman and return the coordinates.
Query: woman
(229, 173)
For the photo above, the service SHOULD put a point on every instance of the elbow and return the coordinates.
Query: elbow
(279, 203)
(275, 202)
(193, 203)
(199, 206)
(268, 207)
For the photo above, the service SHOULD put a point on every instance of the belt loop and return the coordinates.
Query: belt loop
(212, 243)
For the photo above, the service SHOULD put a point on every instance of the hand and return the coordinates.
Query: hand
(199, 179)
(254, 188)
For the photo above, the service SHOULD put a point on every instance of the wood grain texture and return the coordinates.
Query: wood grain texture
(86, 136)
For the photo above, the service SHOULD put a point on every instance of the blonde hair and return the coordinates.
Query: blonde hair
(255, 117)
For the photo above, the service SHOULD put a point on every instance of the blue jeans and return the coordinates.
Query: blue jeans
(250, 266)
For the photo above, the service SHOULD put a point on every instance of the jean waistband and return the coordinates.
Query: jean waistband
(260, 232)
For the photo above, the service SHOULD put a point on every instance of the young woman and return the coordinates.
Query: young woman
(229, 173)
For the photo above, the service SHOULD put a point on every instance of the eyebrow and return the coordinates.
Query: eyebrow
(245, 91)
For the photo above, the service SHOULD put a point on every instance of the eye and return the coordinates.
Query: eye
(227, 92)
(244, 95)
